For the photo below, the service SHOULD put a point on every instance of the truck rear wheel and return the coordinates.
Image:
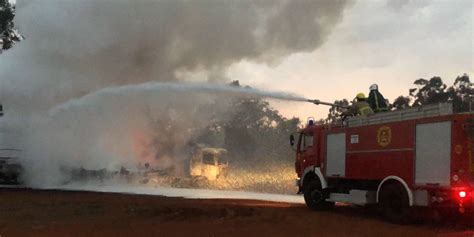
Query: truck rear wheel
(314, 196)
(394, 203)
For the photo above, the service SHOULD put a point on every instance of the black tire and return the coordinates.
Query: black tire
(394, 203)
(314, 196)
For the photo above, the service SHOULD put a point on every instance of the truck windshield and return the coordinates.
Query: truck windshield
(223, 160)
(306, 141)
(208, 159)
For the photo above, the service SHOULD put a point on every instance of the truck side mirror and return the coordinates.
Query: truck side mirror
(292, 140)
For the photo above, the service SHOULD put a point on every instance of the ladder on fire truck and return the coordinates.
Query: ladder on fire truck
(402, 115)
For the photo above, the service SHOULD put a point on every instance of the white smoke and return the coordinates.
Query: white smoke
(112, 128)
(75, 47)
(65, 82)
(125, 126)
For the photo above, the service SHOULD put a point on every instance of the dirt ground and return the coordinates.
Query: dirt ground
(26, 212)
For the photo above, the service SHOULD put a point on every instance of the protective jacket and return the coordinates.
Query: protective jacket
(377, 102)
(360, 108)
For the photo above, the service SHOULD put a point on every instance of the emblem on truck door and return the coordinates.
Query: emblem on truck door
(384, 136)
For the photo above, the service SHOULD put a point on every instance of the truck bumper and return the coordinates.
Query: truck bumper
(451, 201)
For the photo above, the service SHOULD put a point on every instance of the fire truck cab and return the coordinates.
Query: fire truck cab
(417, 157)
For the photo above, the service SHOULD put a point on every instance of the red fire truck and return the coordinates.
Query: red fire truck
(417, 157)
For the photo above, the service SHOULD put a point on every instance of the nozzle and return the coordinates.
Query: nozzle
(316, 102)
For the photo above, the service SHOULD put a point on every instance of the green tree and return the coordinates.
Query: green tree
(257, 131)
(461, 93)
(429, 91)
(335, 112)
(401, 102)
(8, 34)
(252, 131)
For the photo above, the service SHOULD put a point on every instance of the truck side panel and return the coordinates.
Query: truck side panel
(336, 153)
(374, 152)
(433, 153)
(380, 151)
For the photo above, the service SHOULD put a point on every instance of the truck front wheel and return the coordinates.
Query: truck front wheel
(314, 196)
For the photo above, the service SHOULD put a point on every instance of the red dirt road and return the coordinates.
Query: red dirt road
(57, 213)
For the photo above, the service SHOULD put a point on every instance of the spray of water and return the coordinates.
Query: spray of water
(127, 126)
(182, 89)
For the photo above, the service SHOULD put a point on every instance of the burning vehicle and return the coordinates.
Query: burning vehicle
(204, 164)
(209, 163)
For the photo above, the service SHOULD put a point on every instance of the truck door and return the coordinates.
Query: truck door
(307, 149)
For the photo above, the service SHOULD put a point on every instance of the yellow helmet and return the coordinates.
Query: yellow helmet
(361, 96)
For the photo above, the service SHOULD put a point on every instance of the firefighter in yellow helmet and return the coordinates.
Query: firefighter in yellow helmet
(360, 106)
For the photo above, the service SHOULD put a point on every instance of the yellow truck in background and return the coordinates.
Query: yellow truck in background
(209, 163)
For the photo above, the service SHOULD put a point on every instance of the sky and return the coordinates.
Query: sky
(391, 43)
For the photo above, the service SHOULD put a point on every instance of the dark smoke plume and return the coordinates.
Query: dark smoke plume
(94, 84)
(75, 47)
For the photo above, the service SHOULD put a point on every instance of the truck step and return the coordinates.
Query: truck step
(358, 197)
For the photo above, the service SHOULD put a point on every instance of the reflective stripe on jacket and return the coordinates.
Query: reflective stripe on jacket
(365, 110)
(377, 102)
(361, 108)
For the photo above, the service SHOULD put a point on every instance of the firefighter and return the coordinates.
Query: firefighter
(376, 100)
(360, 106)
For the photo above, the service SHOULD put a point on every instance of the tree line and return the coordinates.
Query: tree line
(435, 90)
(424, 92)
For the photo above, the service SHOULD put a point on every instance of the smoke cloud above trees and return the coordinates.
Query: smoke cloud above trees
(75, 47)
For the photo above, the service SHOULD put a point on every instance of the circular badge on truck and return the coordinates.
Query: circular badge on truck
(384, 136)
